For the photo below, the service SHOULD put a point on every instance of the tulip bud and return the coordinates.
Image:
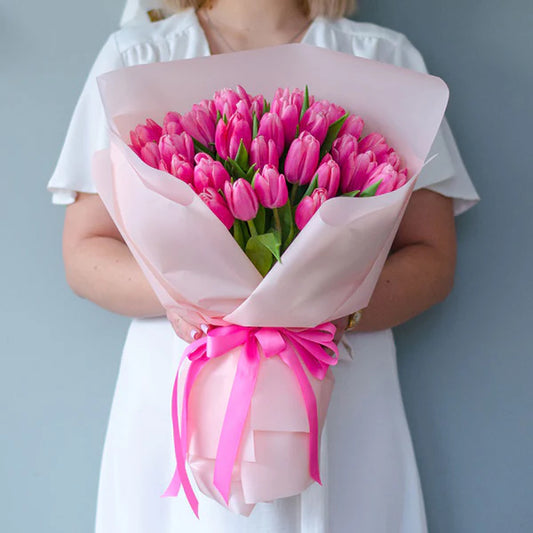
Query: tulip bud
(329, 175)
(179, 144)
(271, 187)
(209, 173)
(342, 147)
(385, 174)
(263, 152)
(355, 171)
(316, 123)
(353, 125)
(150, 154)
(402, 178)
(390, 157)
(172, 124)
(242, 200)
(271, 127)
(374, 142)
(145, 133)
(302, 159)
(218, 206)
(228, 136)
(331, 111)
(181, 168)
(309, 206)
(199, 124)
(289, 115)
(226, 102)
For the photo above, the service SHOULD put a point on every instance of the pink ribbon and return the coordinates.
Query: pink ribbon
(295, 347)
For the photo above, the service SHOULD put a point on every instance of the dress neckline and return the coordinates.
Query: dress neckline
(196, 22)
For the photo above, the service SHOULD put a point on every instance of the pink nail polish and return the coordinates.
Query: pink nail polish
(195, 334)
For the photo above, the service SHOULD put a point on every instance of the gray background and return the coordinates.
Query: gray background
(466, 366)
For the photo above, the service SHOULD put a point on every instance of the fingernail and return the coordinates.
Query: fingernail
(195, 334)
(204, 328)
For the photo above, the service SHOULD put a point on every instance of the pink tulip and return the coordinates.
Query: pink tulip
(295, 97)
(263, 152)
(209, 173)
(179, 144)
(271, 187)
(353, 125)
(242, 200)
(150, 154)
(257, 106)
(218, 206)
(374, 142)
(289, 115)
(342, 147)
(181, 168)
(402, 178)
(228, 136)
(199, 124)
(390, 157)
(210, 107)
(172, 123)
(329, 175)
(385, 174)
(316, 123)
(302, 159)
(271, 127)
(331, 111)
(356, 170)
(244, 109)
(145, 133)
(226, 102)
(309, 206)
(244, 95)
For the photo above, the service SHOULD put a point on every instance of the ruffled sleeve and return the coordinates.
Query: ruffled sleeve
(86, 133)
(446, 174)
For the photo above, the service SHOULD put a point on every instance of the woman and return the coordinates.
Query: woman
(371, 476)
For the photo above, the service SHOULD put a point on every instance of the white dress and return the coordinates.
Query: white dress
(368, 465)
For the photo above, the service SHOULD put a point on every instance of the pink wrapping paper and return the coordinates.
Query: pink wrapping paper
(197, 269)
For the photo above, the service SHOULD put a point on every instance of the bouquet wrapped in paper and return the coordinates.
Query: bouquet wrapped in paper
(225, 240)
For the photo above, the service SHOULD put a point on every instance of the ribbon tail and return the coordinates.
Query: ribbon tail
(235, 418)
(308, 394)
(180, 474)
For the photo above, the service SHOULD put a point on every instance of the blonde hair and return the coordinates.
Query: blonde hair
(311, 8)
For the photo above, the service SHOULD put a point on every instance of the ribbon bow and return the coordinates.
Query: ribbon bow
(295, 347)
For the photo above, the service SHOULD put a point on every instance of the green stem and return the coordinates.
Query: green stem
(253, 230)
(277, 222)
(294, 192)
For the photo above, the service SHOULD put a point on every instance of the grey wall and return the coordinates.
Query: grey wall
(466, 367)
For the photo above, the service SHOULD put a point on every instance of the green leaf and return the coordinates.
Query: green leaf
(305, 105)
(287, 224)
(370, 191)
(238, 234)
(333, 131)
(255, 126)
(351, 194)
(242, 157)
(250, 175)
(219, 116)
(259, 255)
(266, 106)
(312, 186)
(272, 242)
(234, 169)
(199, 147)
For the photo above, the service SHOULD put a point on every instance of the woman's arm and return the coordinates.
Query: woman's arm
(419, 272)
(99, 265)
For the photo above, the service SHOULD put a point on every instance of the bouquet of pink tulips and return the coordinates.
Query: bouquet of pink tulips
(242, 155)
(266, 221)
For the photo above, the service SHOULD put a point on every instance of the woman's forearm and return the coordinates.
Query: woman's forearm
(413, 279)
(104, 271)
